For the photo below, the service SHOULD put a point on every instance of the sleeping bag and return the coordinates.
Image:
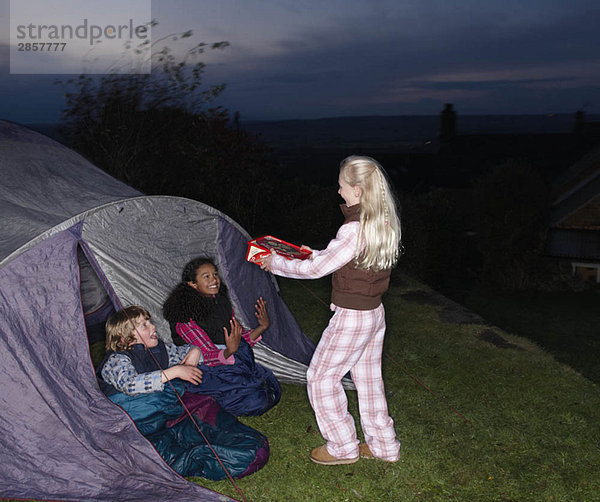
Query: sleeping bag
(203, 445)
(244, 388)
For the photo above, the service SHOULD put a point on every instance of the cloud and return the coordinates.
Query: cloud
(407, 56)
(309, 58)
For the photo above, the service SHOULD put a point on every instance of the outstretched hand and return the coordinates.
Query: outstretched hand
(304, 247)
(261, 313)
(232, 339)
(263, 319)
(266, 261)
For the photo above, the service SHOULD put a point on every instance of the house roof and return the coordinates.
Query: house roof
(577, 202)
(575, 216)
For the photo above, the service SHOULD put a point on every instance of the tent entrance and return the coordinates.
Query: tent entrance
(97, 306)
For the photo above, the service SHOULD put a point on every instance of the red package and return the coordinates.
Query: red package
(261, 246)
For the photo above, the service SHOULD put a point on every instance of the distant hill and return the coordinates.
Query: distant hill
(386, 130)
(399, 130)
(408, 146)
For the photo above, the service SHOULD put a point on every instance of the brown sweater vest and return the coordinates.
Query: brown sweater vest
(355, 288)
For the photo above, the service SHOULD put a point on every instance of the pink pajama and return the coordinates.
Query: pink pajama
(353, 341)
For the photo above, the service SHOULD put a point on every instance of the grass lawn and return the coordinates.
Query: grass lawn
(509, 422)
(564, 324)
(531, 430)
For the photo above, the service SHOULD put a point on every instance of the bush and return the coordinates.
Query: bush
(512, 207)
(436, 236)
(157, 133)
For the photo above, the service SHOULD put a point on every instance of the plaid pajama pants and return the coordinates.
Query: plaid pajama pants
(353, 341)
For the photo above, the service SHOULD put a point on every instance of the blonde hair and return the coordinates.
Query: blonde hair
(120, 327)
(379, 221)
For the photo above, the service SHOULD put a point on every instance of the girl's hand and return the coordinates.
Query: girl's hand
(261, 313)
(232, 339)
(304, 247)
(263, 319)
(192, 358)
(266, 262)
(190, 374)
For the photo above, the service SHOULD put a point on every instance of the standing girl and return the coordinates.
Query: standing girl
(361, 258)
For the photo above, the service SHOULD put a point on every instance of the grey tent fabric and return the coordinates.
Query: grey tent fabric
(43, 184)
(74, 243)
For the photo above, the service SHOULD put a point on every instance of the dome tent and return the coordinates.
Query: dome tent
(75, 244)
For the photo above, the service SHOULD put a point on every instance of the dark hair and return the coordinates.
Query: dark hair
(189, 271)
(184, 302)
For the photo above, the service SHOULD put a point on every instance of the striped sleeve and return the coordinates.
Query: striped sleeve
(195, 335)
(338, 253)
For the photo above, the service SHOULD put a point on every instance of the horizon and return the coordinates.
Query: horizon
(594, 116)
(403, 131)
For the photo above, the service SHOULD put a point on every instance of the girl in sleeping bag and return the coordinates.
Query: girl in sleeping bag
(201, 314)
(134, 375)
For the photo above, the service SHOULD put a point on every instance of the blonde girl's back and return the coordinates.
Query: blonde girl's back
(379, 221)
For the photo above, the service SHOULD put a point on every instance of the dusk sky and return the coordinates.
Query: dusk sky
(310, 59)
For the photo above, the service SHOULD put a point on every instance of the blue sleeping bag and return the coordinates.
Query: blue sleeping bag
(243, 388)
(203, 445)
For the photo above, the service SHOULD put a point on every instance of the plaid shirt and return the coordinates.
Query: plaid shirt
(338, 253)
(213, 355)
(120, 372)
